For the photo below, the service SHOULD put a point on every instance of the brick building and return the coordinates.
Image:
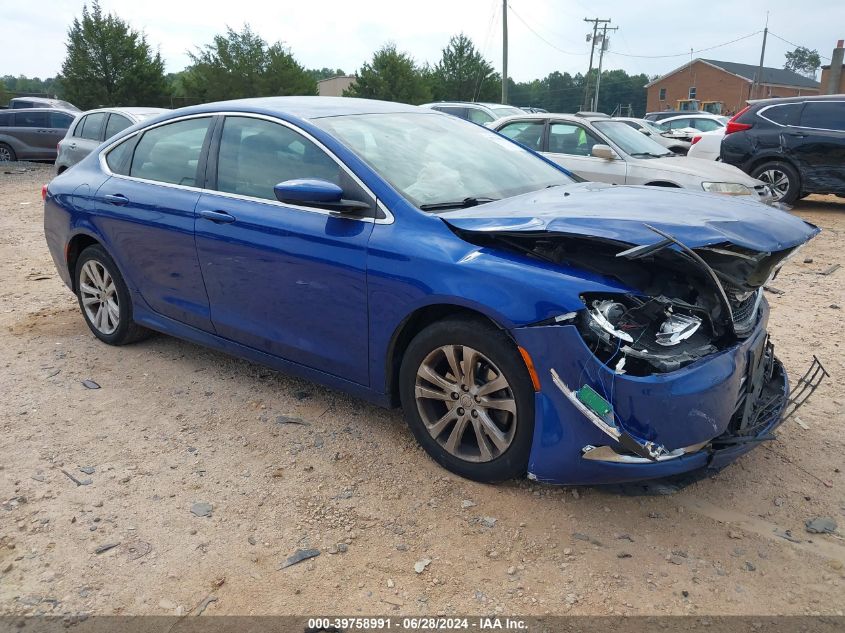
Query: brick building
(334, 86)
(833, 75)
(728, 83)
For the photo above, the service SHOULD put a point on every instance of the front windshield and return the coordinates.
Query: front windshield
(630, 140)
(431, 158)
(506, 111)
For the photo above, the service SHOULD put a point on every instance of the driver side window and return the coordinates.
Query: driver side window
(569, 138)
(256, 155)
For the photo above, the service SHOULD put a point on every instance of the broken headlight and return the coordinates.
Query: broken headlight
(645, 334)
(729, 188)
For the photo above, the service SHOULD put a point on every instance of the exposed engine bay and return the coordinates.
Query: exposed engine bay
(689, 303)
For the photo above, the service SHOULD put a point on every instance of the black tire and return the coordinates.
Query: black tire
(503, 357)
(793, 189)
(7, 154)
(126, 330)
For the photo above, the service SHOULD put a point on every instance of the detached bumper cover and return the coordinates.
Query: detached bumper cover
(688, 418)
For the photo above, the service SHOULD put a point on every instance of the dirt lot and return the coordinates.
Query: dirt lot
(174, 424)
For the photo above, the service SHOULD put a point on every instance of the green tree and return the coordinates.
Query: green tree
(238, 65)
(462, 74)
(804, 61)
(108, 64)
(391, 76)
(318, 74)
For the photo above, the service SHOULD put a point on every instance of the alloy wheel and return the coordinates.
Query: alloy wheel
(466, 403)
(99, 297)
(777, 180)
(5, 154)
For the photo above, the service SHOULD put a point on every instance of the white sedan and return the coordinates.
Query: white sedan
(600, 149)
(707, 145)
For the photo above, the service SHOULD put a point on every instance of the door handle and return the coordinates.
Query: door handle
(796, 134)
(117, 199)
(73, 145)
(219, 217)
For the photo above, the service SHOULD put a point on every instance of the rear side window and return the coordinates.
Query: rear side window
(119, 158)
(256, 155)
(5, 118)
(706, 125)
(60, 120)
(117, 123)
(32, 119)
(478, 116)
(528, 133)
(461, 113)
(825, 115)
(784, 114)
(91, 126)
(678, 124)
(170, 153)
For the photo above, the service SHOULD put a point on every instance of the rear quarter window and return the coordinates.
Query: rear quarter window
(783, 114)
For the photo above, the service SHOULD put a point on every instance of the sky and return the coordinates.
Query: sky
(544, 35)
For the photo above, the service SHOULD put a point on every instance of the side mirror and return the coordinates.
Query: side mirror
(312, 192)
(644, 131)
(603, 151)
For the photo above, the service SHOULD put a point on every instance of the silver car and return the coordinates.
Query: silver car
(601, 149)
(32, 133)
(91, 128)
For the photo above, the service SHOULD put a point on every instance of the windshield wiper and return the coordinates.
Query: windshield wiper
(458, 204)
(651, 155)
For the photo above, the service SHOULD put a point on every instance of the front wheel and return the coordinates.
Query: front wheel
(7, 154)
(469, 399)
(782, 178)
(104, 298)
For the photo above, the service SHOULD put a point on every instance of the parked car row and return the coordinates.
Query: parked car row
(526, 322)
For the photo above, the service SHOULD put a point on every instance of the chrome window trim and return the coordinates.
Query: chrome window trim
(799, 127)
(388, 219)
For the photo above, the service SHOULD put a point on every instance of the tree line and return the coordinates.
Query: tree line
(108, 63)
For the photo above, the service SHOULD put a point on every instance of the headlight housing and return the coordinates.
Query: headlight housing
(728, 188)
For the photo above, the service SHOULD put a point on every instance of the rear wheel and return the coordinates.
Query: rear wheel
(468, 399)
(782, 178)
(104, 298)
(7, 154)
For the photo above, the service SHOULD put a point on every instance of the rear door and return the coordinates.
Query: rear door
(818, 146)
(87, 135)
(570, 145)
(146, 210)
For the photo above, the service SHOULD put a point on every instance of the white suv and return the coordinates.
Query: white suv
(481, 113)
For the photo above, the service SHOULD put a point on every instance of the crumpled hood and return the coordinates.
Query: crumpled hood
(621, 213)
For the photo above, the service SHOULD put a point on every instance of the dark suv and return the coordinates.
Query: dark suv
(795, 145)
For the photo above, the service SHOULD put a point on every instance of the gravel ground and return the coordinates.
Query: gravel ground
(100, 489)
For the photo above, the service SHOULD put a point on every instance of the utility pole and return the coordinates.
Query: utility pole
(603, 48)
(504, 51)
(758, 78)
(592, 39)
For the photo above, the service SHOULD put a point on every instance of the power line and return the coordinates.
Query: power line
(795, 45)
(685, 53)
(529, 27)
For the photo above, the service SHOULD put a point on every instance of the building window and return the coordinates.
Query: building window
(692, 92)
(663, 94)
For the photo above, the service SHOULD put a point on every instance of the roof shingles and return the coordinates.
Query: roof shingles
(774, 76)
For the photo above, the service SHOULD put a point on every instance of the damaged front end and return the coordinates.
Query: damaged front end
(676, 371)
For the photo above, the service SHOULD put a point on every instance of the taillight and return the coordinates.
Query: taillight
(44, 192)
(733, 126)
(695, 139)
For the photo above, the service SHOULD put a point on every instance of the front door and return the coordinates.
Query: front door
(570, 145)
(285, 279)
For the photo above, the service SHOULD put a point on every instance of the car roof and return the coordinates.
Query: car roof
(546, 115)
(838, 97)
(305, 107)
(133, 110)
(695, 115)
(72, 113)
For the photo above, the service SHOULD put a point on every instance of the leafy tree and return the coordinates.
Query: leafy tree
(391, 76)
(462, 74)
(318, 74)
(4, 94)
(804, 61)
(238, 65)
(108, 63)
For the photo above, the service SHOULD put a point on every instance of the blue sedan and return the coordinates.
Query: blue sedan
(525, 322)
